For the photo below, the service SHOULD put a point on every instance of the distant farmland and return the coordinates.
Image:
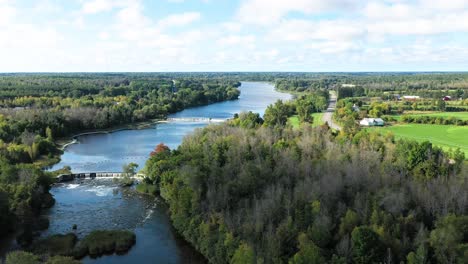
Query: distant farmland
(444, 136)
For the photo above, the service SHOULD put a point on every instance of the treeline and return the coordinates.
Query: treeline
(304, 85)
(436, 120)
(63, 105)
(431, 84)
(270, 194)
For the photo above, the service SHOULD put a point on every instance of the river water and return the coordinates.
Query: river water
(101, 204)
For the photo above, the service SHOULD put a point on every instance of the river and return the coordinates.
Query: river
(101, 204)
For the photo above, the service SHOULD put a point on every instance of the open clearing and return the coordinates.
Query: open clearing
(444, 136)
(318, 120)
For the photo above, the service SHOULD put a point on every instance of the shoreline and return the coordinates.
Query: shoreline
(63, 143)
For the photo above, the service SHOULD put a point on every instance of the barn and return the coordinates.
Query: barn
(372, 122)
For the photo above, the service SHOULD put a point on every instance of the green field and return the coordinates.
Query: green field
(458, 115)
(441, 135)
(294, 120)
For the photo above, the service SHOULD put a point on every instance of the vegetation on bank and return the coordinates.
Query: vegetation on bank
(65, 249)
(61, 245)
(22, 257)
(36, 109)
(101, 242)
(276, 195)
(257, 191)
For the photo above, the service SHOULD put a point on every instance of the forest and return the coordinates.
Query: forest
(38, 109)
(255, 190)
(276, 195)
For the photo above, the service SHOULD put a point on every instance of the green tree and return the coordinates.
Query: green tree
(449, 238)
(348, 222)
(308, 252)
(276, 114)
(130, 169)
(367, 247)
(244, 255)
(304, 110)
(49, 134)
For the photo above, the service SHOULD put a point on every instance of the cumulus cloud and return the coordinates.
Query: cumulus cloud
(179, 19)
(267, 12)
(318, 35)
(7, 12)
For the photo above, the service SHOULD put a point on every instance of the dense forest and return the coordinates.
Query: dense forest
(275, 195)
(36, 109)
(254, 190)
(385, 85)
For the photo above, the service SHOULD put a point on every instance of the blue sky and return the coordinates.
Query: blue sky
(233, 35)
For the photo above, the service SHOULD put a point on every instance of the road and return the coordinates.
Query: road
(328, 115)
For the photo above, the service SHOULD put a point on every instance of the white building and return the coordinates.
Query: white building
(411, 97)
(372, 122)
(348, 85)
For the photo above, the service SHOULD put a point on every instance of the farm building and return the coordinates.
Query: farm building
(372, 122)
(447, 98)
(411, 97)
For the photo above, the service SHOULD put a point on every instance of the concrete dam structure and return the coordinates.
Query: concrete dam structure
(91, 175)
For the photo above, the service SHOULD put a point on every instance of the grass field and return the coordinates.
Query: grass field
(458, 115)
(441, 135)
(294, 120)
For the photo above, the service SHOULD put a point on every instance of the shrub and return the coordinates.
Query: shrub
(62, 260)
(147, 188)
(21, 257)
(56, 245)
(101, 242)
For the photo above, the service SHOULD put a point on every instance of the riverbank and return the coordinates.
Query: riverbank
(121, 208)
(70, 140)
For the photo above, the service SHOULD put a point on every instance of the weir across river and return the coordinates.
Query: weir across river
(196, 119)
(91, 175)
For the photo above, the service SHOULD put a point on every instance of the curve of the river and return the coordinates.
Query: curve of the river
(101, 204)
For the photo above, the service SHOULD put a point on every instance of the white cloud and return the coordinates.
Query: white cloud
(239, 40)
(444, 4)
(7, 13)
(266, 12)
(123, 35)
(232, 26)
(421, 18)
(333, 47)
(299, 30)
(98, 6)
(179, 19)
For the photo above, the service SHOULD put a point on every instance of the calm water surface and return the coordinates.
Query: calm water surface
(101, 204)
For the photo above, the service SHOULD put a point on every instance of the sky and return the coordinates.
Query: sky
(233, 35)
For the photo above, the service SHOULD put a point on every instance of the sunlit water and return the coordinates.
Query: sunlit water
(101, 204)
(107, 152)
